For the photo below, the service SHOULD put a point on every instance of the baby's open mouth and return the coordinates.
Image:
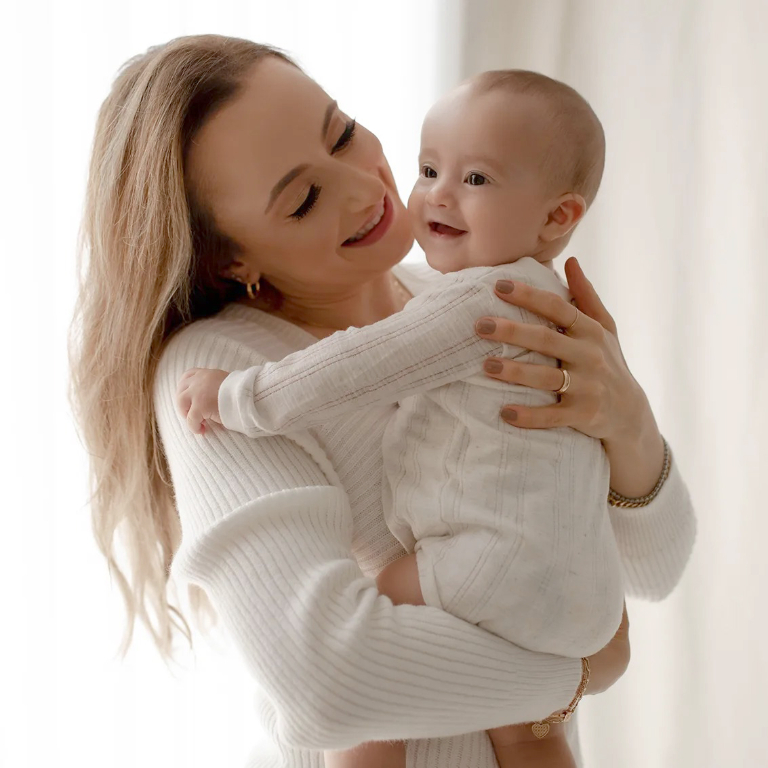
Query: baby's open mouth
(445, 229)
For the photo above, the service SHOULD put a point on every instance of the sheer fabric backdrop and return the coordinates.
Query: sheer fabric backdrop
(675, 246)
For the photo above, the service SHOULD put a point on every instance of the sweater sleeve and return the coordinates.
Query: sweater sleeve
(430, 343)
(656, 541)
(269, 539)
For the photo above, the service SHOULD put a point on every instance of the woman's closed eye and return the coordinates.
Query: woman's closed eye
(309, 202)
(314, 191)
(346, 138)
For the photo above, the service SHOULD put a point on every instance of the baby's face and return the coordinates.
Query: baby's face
(481, 198)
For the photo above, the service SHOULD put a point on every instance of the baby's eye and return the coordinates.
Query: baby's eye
(476, 179)
(429, 173)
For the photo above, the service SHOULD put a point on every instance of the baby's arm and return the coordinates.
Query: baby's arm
(430, 343)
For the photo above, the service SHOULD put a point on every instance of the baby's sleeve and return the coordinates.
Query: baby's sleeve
(430, 343)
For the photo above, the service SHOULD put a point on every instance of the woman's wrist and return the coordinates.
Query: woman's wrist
(636, 454)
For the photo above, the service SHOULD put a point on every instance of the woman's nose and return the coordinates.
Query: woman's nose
(365, 188)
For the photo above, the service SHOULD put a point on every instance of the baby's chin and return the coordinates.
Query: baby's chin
(449, 256)
(442, 260)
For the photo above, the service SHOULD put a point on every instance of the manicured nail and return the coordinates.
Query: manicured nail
(508, 414)
(493, 366)
(485, 325)
(505, 286)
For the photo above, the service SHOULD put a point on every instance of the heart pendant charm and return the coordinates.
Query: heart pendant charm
(540, 730)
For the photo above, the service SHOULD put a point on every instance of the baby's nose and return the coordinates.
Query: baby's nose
(439, 193)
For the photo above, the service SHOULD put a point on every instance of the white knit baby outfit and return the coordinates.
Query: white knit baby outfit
(510, 526)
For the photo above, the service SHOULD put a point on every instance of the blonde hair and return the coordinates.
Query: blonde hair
(149, 262)
(577, 155)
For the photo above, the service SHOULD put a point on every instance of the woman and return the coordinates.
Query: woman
(229, 216)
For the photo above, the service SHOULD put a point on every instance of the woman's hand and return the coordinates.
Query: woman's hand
(609, 664)
(603, 400)
(605, 668)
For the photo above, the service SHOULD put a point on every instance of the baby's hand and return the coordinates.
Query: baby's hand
(197, 396)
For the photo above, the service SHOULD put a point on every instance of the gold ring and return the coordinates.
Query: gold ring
(574, 322)
(566, 382)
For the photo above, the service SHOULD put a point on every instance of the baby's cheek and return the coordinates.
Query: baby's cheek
(493, 236)
(416, 200)
(416, 214)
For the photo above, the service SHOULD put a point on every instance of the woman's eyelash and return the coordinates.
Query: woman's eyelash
(308, 204)
(345, 138)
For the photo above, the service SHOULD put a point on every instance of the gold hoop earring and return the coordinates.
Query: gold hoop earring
(249, 289)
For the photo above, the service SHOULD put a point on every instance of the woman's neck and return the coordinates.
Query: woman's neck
(364, 304)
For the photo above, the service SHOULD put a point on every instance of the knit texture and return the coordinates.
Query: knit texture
(285, 534)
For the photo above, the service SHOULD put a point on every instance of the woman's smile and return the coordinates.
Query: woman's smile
(375, 228)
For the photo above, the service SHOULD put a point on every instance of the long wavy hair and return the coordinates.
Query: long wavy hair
(149, 262)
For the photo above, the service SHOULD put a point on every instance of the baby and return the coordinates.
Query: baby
(506, 528)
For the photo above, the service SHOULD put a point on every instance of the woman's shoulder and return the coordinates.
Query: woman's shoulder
(236, 338)
(236, 335)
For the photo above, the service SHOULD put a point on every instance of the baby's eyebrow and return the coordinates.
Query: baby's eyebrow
(489, 162)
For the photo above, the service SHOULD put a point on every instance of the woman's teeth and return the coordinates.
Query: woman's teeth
(360, 234)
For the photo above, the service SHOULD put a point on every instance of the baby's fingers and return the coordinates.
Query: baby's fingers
(195, 421)
(183, 403)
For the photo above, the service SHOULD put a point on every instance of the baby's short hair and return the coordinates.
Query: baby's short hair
(577, 157)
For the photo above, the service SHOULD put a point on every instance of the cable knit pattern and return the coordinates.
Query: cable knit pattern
(285, 534)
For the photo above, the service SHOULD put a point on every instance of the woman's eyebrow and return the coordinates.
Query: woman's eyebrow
(299, 169)
(329, 110)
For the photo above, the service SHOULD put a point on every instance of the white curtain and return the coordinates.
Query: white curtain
(675, 246)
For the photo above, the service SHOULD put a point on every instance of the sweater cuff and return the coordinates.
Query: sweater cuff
(236, 391)
(656, 540)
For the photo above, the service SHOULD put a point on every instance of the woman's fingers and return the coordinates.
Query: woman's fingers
(527, 374)
(540, 417)
(543, 303)
(539, 338)
(586, 297)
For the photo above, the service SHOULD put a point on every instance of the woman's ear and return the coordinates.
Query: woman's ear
(565, 213)
(240, 272)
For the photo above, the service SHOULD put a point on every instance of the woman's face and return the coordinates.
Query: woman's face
(291, 179)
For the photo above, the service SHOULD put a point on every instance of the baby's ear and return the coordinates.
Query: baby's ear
(566, 212)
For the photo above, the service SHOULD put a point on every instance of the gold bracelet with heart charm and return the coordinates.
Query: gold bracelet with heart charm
(541, 727)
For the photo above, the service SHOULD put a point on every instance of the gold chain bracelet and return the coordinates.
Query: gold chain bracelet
(617, 500)
(541, 727)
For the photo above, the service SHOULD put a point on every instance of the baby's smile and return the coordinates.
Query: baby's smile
(445, 230)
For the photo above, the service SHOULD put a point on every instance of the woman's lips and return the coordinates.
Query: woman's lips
(379, 230)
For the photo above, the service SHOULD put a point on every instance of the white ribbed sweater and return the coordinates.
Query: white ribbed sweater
(286, 535)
